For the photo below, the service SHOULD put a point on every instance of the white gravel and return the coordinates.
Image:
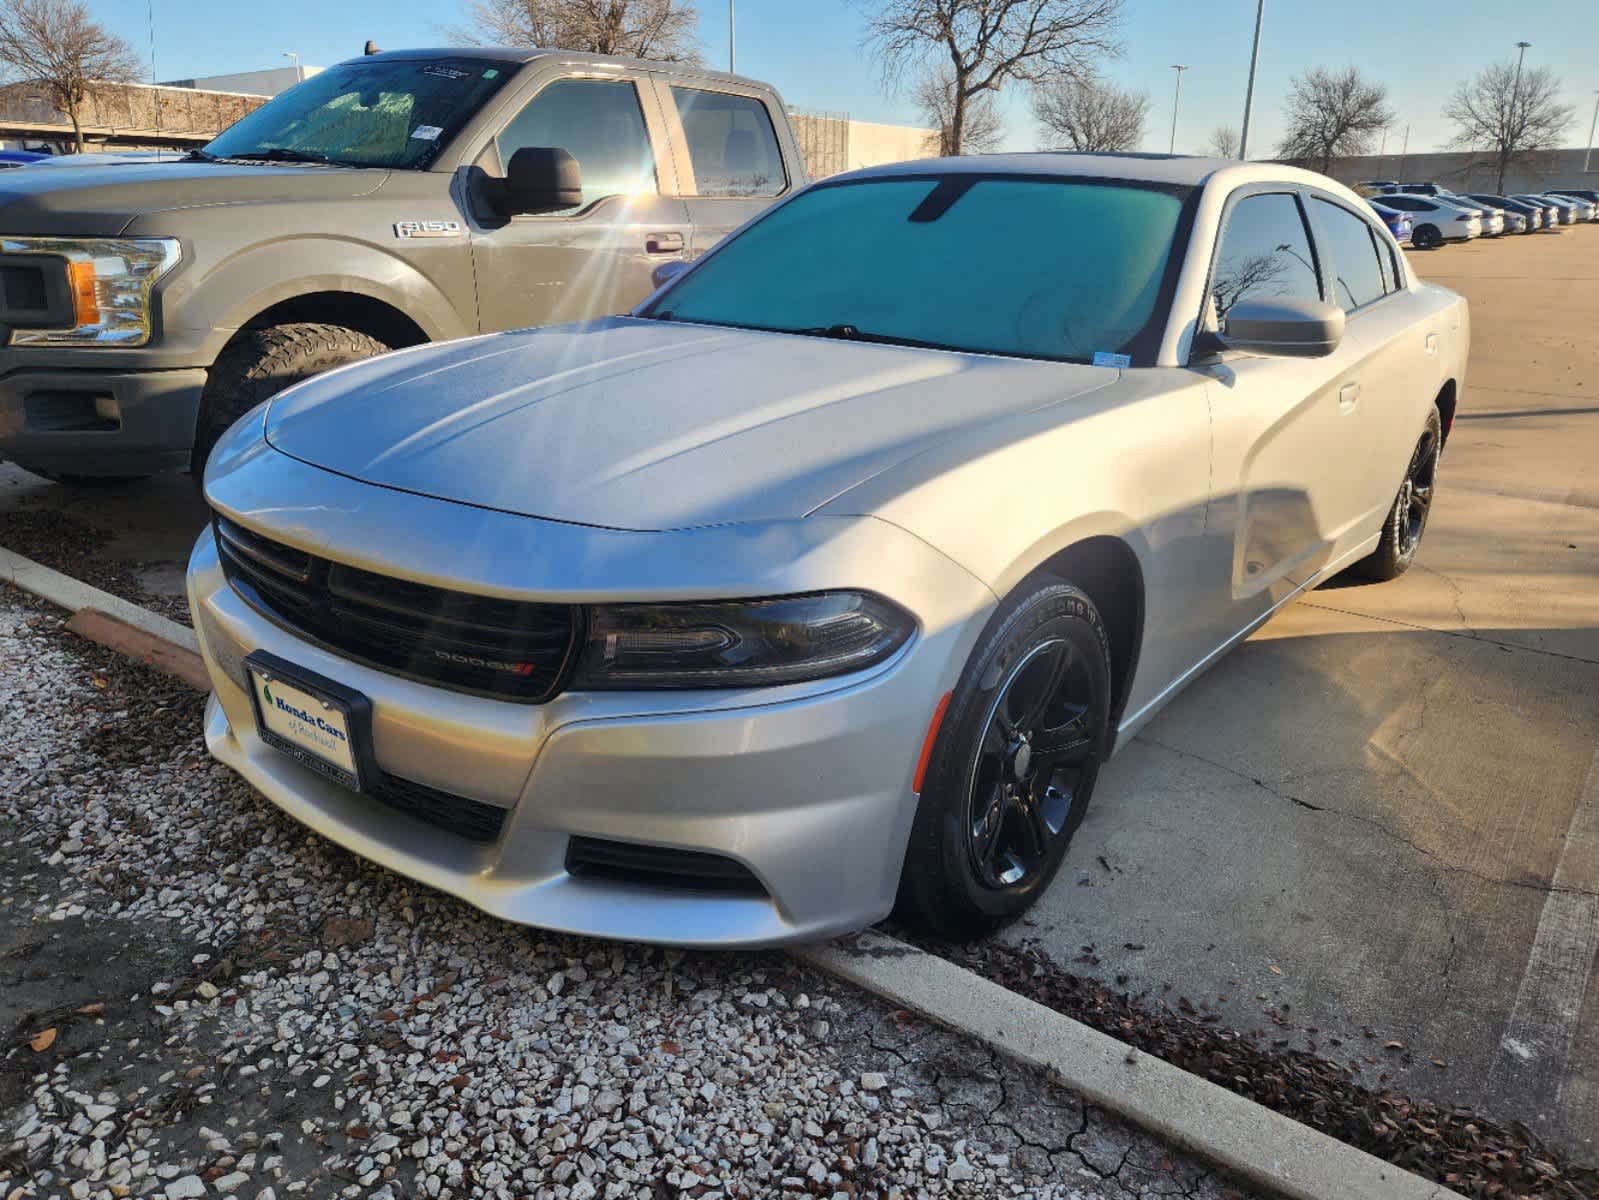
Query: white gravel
(283, 1020)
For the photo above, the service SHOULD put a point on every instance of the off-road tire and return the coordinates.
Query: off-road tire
(259, 363)
(941, 893)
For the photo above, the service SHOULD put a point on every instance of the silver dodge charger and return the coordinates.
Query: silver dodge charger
(822, 585)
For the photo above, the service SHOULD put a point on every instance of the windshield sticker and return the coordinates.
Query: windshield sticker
(491, 73)
(445, 72)
(427, 133)
(1104, 358)
(428, 229)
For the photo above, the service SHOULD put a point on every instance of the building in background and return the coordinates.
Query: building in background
(832, 142)
(268, 82)
(120, 116)
(1463, 171)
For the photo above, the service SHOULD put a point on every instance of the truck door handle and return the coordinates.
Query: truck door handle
(663, 243)
(1347, 396)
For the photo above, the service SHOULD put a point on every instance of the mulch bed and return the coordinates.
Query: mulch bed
(66, 544)
(1450, 1145)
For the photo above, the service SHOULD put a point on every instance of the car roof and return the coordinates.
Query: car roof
(521, 55)
(1175, 169)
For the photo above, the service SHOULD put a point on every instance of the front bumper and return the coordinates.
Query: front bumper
(807, 786)
(88, 422)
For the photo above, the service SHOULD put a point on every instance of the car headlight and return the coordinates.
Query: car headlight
(82, 291)
(741, 643)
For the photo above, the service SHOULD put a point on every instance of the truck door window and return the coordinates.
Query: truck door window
(731, 144)
(596, 121)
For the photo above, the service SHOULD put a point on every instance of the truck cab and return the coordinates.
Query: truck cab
(380, 204)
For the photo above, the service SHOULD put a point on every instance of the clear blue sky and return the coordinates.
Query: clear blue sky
(812, 50)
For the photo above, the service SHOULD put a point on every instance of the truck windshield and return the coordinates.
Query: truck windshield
(1033, 266)
(383, 113)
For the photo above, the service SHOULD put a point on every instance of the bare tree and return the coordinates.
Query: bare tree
(1223, 142)
(935, 98)
(58, 47)
(1508, 122)
(1332, 113)
(1090, 114)
(984, 44)
(659, 29)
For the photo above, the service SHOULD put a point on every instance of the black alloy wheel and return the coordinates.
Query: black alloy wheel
(1013, 767)
(1426, 237)
(1026, 778)
(1407, 519)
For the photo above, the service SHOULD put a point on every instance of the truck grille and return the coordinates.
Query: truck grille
(508, 649)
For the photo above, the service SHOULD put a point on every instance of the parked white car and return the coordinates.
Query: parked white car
(1437, 220)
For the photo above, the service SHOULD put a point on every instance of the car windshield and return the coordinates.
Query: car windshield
(1034, 266)
(383, 113)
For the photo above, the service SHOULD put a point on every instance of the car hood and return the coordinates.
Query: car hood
(104, 199)
(642, 424)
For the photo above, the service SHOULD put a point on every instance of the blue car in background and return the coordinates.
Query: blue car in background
(19, 158)
(1399, 223)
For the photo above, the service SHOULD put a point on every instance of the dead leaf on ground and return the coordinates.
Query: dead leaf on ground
(42, 1041)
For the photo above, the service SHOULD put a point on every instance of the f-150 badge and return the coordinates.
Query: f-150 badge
(427, 229)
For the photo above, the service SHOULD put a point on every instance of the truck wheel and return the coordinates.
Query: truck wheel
(259, 363)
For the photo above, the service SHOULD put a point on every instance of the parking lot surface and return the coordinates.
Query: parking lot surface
(1374, 828)
(1377, 822)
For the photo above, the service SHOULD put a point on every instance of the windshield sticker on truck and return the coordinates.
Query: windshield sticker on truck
(427, 133)
(427, 229)
(445, 72)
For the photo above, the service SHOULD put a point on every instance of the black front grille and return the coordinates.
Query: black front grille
(509, 649)
(659, 866)
(470, 819)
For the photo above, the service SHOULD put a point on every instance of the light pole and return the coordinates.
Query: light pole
(299, 71)
(1176, 100)
(732, 58)
(1249, 92)
(1593, 126)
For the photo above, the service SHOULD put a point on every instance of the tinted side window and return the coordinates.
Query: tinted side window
(1264, 252)
(731, 144)
(1357, 272)
(596, 121)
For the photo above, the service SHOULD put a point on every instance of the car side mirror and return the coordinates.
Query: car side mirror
(540, 179)
(668, 271)
(1283, 326)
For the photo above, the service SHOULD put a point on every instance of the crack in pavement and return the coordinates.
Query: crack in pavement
(1425, 851)
(1469, 635)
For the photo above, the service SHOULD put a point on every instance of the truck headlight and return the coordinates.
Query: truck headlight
(82, 291)
(739, 643)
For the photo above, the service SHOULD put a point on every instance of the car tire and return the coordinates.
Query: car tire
(1426, 237)
(1407, 519)
(260, 363)
(995, 820)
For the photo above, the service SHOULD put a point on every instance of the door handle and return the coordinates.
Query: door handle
(1432, 343)
(1347, 396)
(663, 243)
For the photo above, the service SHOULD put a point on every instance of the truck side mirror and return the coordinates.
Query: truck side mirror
(540, 179)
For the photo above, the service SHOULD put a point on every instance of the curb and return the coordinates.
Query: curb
(1248, 1140)
(72, 595)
